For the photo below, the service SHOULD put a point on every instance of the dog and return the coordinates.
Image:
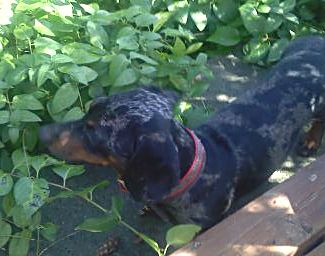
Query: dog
(197, 175)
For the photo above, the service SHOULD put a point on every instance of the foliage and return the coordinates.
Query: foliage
(176, 236)
(57, 55)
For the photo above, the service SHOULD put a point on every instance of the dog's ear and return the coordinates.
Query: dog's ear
(154, 168)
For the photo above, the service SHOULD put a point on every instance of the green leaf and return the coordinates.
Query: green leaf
(20, 115)
(30, 6)
(4, 116)
(42, 29)
(163, 17)
(128, 43)
(6, 184)
(81, 74)
(225, 35)
(16, 76)
(264, 8)
(98, 35)
(179, 82)
(105, 18)
(145, 20)
(19, 160)
(31, 136)
(102, 224)
(20, 216)
(291, 17)
(5, 233)
(253, 22)
(13, 133)
(277, 50)
(89, 190)
(61, 58)
(36, 221)
(73, 114)
(288, 5)
(135, 55)
(179, 47)
(68, 171)
(128, 76)
(273, 22)
(41, 161)
(26, 101)
(8, 203)
(226, 10)
(83, 53)
(42, 74)
(257, 51)
(257, 23)
(31, 193)
(200, 19)
(19, 244)
(181, 234)
(49, 231)
(117, 205)
(45, 42)
(23, 32)
(118, 64)
(193, 48)
(64, 97)
(64, 194)
(3, 101)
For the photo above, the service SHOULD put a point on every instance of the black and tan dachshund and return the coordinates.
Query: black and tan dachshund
(196, 175)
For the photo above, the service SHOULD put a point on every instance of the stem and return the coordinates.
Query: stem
(158, 250)
(25, 154)
(57, 241)
(20, 237)
(95, 204)
(165, 250)
(30, 46)
(85, 198)
(37, 242)
(80, 99)
(8, 102)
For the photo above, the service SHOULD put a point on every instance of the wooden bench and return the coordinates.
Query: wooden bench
(287, 220)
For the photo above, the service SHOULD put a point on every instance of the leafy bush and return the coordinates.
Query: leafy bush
(57, 55)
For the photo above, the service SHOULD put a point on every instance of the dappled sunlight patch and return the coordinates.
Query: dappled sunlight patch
(280, 176)
(5, 12)
(257, 250)
(280, 201)
(274, 201)
(225, 98)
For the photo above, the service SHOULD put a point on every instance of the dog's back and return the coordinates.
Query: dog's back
(253, 135)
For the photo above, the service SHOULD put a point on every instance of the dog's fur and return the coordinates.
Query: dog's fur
(244, 142)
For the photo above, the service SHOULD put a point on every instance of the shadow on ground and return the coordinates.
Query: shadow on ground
(232, 77)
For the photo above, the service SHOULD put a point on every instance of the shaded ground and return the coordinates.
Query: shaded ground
(231, 78)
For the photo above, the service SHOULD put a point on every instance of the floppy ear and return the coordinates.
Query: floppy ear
(154, 168)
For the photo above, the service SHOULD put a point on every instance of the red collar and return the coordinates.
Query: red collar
(192, 173)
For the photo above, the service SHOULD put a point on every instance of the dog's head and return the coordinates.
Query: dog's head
(131, 132)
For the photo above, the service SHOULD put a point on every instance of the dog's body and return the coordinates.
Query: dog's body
(243, 143)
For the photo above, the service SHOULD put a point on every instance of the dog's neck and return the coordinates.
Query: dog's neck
(185, 145)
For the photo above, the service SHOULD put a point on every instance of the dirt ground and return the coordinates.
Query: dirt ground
(232, 77)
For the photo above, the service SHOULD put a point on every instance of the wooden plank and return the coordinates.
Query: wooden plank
(284, 221)
(318, 251)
